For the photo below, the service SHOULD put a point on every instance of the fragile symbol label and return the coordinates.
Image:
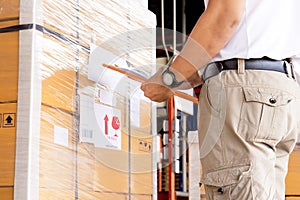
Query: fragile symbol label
(8, 120)
(109, 125)
(100, 125)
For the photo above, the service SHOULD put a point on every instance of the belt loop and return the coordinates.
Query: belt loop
(293, 71)
(241, 66)
(289, 67)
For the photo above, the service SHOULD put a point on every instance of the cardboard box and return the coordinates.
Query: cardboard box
(293, 176)
(58, 62)
(141, 197)
(9, 9)
(111, 167)
(112, 195)
(141, 161)
(9, 56)
(7, 143)
(102, 195)
(7, 193)
(57, 150)
(55, 194)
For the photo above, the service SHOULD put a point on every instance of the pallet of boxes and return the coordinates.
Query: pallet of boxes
(71, 128)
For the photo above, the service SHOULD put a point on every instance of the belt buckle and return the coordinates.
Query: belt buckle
(220, 66)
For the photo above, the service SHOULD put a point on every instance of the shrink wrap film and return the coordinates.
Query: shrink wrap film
(59, 147)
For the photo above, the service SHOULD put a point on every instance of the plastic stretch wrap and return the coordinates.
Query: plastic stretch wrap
(71, 128)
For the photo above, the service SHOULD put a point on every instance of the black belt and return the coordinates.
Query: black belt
(264, 63)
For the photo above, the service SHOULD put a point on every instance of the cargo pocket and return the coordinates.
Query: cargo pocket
(263, 115)
(212, 109)
(230, 183)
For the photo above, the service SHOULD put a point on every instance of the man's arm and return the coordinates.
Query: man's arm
(212, 31)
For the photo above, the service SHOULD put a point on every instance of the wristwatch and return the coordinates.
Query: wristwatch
(168, 77)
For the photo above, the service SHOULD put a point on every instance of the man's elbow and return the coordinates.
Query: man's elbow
(234, 23)
(230, 21)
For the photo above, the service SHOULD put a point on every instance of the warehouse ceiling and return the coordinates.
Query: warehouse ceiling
(192, 10)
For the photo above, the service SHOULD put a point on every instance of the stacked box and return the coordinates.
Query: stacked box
(292, 186)
(9, 10)
(53, 158)
(7, 193)
(9, 63)
(7, 146)
(9, 16)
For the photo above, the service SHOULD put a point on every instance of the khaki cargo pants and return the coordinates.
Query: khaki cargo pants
(248, 126)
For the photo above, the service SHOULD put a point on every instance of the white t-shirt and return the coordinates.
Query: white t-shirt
(268, 28)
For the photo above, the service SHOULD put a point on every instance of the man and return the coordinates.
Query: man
(249, 101)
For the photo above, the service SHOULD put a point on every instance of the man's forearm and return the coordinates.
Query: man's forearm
(211, 33)
(191, 82)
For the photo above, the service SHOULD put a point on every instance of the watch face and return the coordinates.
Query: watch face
(167, 79)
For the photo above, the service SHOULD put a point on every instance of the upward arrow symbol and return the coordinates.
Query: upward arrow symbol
(9, 119)
(106, 124)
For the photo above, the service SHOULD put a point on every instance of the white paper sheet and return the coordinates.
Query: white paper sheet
(61, 136)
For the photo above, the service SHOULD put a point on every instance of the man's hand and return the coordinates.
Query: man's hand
(155, 90)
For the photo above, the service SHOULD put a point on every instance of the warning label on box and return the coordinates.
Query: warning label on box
(145, 146)
(8, 120)
(100, 124)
